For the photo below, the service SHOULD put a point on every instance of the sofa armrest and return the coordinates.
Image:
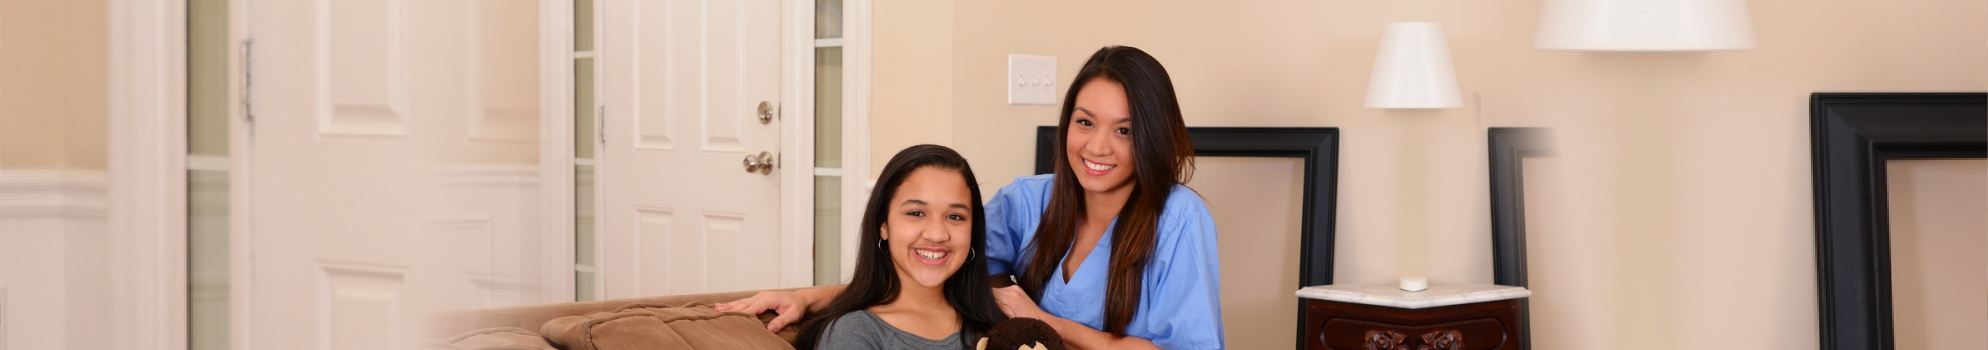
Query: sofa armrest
(532, 316)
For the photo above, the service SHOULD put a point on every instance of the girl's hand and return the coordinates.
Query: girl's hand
(1016, 303)
(789, 306)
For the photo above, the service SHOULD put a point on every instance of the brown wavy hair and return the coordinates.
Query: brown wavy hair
(1164, 157)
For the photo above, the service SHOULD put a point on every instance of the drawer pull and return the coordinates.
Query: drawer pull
(1443, 340)
(1436, 340)
(1385, 340)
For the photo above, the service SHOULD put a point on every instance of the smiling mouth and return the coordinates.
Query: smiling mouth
(1096, 169)
(928, 254)
(934, 256)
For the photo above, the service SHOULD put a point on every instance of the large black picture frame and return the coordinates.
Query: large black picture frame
(1852, 135)
(1509, 148)
(1319, 147)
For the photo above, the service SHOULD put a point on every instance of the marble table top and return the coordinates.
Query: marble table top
(1389, 294)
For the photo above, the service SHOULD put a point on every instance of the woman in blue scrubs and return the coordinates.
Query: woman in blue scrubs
(1111, 250)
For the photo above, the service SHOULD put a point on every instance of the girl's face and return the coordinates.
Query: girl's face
(930, 226)
(1099, 143)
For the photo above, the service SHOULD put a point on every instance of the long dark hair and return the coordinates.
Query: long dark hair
(875, 282)
(1164, 157)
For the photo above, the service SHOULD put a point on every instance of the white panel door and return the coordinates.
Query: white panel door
(682, 83)
(376, 127)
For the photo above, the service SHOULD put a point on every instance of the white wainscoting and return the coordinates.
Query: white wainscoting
(490, 223)
(54, 259)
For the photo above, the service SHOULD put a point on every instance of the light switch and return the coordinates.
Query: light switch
(1031, 80)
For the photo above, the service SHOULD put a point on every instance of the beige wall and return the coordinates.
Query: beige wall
(1939, 253)
(913, 39)
(53, 84)
(1686, 173)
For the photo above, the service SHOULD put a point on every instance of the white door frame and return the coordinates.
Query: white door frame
(796, 161)
(555, 149)
(147, 146)
(856, 182)
(797, 142)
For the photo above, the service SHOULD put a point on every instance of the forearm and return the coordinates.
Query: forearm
(1079, 336)
(818, 297)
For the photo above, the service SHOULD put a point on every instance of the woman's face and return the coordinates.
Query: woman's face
(930, 226)
(1099, 144)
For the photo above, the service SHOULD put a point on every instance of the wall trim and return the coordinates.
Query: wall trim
(857, 18)
(147, 173)
(555, 148)
(54, 193)
(797, 114)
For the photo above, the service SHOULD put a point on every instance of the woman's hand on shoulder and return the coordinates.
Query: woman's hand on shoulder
(789, 306)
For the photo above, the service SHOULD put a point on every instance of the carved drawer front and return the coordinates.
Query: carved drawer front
(1351, 334)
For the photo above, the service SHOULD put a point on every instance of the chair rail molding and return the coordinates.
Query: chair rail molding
(53, 194)
(52, 244)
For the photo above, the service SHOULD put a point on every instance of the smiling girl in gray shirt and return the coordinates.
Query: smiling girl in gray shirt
(919, 281)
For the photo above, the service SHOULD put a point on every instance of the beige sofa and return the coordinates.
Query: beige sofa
(675, 321)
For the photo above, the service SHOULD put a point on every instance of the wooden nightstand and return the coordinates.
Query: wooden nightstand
(1380, 316)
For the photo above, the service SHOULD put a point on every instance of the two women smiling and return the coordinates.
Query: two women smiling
(1112, 250)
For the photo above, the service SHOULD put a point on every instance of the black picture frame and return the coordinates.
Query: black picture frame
(1319, 147)
(1509, 148)
(1852, 135)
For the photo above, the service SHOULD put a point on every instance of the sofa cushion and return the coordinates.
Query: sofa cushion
(694, 325)
(498, 338)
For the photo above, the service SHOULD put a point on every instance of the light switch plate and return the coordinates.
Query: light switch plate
(1031, 80)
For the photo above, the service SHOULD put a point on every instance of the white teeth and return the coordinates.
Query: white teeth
(1098, 167)
(930, 254)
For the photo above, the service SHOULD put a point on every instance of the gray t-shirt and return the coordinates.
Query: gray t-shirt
(861, 329)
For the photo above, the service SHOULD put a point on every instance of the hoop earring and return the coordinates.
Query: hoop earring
(969, 255)
(881, 247)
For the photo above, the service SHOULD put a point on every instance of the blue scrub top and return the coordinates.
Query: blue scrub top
(1181, 305)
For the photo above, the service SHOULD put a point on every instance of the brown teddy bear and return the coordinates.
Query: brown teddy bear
(1022, 333)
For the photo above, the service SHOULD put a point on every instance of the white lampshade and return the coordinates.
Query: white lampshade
(1644, 25)
(1413, 69)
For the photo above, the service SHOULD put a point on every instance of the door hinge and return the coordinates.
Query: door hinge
(600, 125)
(248, 80)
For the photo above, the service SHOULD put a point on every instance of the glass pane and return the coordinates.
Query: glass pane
(583, 286)
(583, 108)
(207, 259)
(828, 19)
(583, 214)
(583, 230)
(583, 25)
(828, 228)
(207, 77)
(828, 107)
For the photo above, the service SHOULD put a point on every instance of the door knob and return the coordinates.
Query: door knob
(761, 163)
(765, 112)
